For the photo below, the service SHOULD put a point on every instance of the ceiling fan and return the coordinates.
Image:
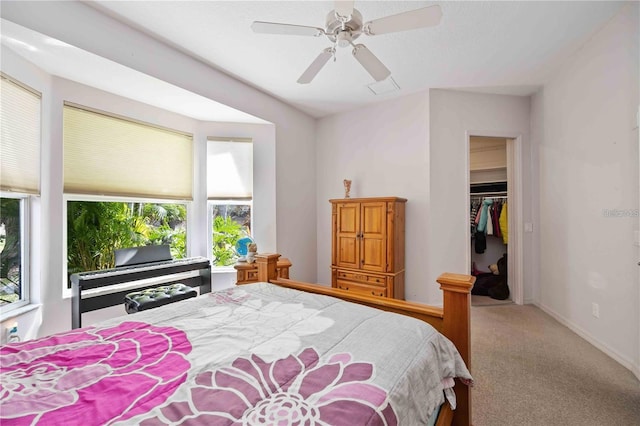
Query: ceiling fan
(344, 24)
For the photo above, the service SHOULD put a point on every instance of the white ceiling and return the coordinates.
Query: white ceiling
(63, 60)
(497, 47)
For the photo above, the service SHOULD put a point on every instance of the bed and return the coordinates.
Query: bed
(273, 352)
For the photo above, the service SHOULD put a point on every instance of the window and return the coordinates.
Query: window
(14, 288)
(127, 184)
(230, 192)
(20, 128)
(230, 222)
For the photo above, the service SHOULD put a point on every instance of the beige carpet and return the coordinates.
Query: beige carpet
(531, 370)
(487, 301)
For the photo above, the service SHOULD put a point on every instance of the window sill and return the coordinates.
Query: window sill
(4, 316)
(223, 270)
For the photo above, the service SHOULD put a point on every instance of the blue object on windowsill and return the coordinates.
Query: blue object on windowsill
(242, 247)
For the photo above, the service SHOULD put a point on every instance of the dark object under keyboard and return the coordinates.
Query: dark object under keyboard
(157, 296)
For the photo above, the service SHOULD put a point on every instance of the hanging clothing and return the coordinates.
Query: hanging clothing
(480, 242)
(497, 207)
(475, 206)
(504, 223)
(482, 224)
(490, 219)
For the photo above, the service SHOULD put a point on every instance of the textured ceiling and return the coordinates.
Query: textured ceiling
(496, 47)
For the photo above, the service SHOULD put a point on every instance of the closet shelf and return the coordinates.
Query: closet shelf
(493, 187)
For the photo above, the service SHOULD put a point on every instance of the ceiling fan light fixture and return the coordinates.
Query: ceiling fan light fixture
(344, 38)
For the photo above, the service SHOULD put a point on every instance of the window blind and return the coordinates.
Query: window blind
(229, 169)
(108, 155)
(20, 119)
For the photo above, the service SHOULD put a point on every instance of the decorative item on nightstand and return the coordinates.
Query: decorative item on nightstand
(251, 253)
(242, 248)
(347, 188)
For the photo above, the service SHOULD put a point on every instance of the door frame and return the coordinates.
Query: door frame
(515, 217)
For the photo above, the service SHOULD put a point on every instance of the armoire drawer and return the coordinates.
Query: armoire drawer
(363, 278)
(356, 287)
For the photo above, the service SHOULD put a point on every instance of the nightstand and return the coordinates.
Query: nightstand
(248, 272)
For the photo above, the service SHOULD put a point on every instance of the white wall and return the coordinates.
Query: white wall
(384, 150)
(453, 115)
(589, 163)
(82, 26)
(415, 147)
(48, 274)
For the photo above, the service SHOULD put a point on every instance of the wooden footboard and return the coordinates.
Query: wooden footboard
(452, 320)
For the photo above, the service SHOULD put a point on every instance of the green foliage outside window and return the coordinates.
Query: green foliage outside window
(226, 233)
(96, 229)
(230, 223)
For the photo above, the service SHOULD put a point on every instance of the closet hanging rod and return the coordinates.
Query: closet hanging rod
(489, 194)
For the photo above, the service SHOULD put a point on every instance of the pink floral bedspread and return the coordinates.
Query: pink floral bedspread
(253, 355)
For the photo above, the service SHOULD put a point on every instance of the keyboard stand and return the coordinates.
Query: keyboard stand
(101, 289)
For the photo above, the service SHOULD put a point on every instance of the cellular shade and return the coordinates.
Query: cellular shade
(229, 169)
(20, 138)
(108, 155)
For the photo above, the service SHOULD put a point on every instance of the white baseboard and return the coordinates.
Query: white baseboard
(621, 359)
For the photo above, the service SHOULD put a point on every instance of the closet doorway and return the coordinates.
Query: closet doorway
(494, 201)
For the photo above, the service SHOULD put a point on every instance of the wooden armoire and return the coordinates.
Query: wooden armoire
(367, 245)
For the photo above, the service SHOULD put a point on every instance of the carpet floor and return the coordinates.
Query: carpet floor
(531, 370)
(487, 301)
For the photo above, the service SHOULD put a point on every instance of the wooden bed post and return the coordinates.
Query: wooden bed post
(456, 290)
(267, 266)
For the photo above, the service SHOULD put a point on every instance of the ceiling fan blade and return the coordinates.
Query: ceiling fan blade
(370, 62)
(411, 20)
(287, 29)
(344, 8)
(316, 66)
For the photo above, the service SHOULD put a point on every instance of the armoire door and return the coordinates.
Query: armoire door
(373, 236)
(347, 235)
